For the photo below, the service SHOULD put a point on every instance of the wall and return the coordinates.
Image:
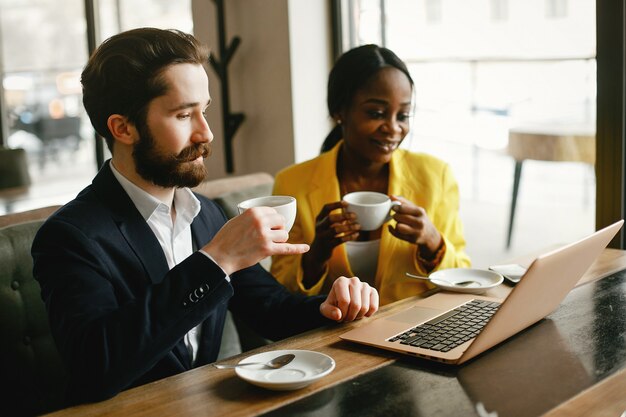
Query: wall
(311, 60)
(277, 79)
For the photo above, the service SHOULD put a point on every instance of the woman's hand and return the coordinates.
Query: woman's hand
(332, 228)
(415, 226)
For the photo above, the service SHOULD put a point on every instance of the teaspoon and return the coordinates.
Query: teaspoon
(275, 363)
(435, 281)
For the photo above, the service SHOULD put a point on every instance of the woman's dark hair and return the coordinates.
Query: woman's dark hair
(124, 74)
(351, 72)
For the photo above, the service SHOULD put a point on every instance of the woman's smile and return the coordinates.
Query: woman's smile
(385, 146)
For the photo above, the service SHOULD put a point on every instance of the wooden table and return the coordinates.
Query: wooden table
(209, 391)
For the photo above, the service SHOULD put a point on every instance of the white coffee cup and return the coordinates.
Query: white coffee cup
(372, 209)
(283, 204)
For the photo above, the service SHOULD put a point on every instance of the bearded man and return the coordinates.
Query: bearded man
(137, 272)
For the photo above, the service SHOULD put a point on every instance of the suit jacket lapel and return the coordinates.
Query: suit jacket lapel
(324, 183)
(131, 224)
(403, 181)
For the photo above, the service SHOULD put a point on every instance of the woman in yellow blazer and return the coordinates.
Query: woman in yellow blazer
(369, 97)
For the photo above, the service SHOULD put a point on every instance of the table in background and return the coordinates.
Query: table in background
(367, 380)
(547, 143)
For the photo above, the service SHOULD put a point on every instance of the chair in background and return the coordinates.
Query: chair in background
(13, 168)
(248, 184)
(31, 369)
(14, 175)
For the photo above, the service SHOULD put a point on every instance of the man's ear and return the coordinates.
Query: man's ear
(122, 130)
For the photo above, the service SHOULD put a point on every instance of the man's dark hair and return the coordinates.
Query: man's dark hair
(124, 73)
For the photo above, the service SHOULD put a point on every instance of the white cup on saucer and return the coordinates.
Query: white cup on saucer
(283, 204)
(372, 209)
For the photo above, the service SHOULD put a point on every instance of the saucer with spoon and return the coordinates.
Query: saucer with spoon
(465, 280)
(283, 370)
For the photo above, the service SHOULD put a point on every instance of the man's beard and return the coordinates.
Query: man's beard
(169, 170)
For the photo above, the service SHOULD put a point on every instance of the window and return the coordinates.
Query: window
(481, 76)
(43, 50)
(118, 15)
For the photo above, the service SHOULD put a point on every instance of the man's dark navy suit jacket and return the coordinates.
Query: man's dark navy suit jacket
(118, 314)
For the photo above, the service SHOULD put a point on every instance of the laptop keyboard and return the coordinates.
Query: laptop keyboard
(451, 329)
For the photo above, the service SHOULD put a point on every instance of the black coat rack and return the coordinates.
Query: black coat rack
(232, 121)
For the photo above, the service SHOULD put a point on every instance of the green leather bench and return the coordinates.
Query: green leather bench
(30, 366)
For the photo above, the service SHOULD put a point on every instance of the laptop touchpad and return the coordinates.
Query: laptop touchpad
(415, 315)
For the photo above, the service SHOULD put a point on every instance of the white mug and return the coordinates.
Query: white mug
(283, 204)
(372, 209)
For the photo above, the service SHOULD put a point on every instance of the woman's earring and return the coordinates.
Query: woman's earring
(338, 121)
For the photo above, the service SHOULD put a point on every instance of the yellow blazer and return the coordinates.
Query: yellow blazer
(420, 178)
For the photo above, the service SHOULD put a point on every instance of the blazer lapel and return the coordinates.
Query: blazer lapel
(146, 246)
(131, 224)
(324, 183)
(403, 180)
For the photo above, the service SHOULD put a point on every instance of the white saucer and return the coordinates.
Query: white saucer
(447, 279)
(306, 367)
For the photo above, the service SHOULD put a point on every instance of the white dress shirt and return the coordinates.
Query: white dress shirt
(363, 259)
(173, 236)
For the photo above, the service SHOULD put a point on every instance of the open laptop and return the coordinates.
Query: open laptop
(453, 328)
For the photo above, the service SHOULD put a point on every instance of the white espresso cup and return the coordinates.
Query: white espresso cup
(283, 204)
(372, 209)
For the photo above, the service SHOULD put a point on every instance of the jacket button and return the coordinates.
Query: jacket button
(15, 285)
